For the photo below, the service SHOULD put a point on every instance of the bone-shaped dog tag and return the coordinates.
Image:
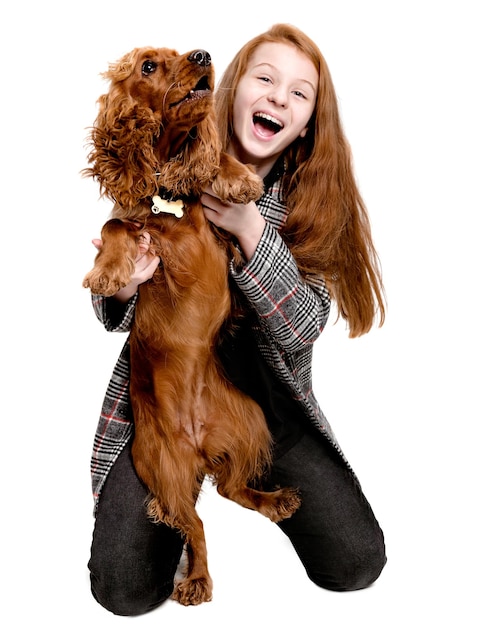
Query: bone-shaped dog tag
(168, 206)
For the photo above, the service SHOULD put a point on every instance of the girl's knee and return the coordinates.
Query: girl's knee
(127, 601)
(358, 572)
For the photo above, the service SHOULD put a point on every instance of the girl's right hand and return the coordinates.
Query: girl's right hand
(146, 264)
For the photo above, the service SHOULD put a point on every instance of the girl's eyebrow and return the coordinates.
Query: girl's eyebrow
(259, 65)
(272, 67)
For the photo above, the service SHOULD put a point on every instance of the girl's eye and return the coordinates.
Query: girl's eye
(299, 93)
(264, 78)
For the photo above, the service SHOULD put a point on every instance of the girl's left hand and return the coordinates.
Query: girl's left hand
(244, 221)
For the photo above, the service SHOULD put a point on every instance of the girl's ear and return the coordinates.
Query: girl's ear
(302, 134)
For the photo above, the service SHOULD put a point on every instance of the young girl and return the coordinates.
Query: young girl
(306, 244)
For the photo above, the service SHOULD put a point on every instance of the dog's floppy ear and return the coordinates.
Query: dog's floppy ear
(123, 68)
(198, 162)
(122, 158)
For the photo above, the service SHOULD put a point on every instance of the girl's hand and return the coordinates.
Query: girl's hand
(244, 221)
(146, 264)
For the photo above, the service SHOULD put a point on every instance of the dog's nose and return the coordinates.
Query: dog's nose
(201, 57)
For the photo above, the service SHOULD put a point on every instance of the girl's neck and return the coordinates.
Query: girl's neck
(262, 166)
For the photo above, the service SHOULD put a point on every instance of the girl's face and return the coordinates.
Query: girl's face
(274, 101)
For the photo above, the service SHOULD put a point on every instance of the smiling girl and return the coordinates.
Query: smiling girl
(306, 246)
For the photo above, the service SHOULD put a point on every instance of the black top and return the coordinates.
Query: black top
(246, 368)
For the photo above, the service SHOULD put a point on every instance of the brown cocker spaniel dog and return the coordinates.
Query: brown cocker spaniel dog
(154, 147)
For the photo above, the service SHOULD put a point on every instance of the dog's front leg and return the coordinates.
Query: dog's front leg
(115, 261)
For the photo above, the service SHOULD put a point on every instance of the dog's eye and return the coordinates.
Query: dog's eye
(148, 67)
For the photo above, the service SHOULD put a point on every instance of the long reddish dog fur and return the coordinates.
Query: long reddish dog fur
(155, 132)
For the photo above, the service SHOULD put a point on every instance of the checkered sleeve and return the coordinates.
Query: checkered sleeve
(115, 421)
(115, 424)
(294, 309)
(115, 316)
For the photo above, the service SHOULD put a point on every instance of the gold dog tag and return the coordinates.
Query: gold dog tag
(165, 206)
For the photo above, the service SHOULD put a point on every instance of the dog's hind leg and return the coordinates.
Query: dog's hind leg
(275, 505)
(173, 473)
(241, 454)
(196, 586)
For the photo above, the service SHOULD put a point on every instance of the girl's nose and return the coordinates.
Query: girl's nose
(278, 96)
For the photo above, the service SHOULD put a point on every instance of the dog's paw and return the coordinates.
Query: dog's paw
(285, 503)
(250, 188)
(103, 284)
(192, 591)
(237, 182)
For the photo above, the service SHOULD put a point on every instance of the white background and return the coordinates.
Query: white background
(415, 405)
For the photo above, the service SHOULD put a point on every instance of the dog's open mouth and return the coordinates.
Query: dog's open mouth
(266, 124)
(201, 90)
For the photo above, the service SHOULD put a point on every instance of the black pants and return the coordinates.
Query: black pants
(334, 533)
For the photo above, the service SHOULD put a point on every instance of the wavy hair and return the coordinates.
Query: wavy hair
(327, 228)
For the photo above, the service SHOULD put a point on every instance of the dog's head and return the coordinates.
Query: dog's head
(155, 126)
(177, 88)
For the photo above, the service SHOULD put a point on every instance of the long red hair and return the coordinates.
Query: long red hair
(327, 229)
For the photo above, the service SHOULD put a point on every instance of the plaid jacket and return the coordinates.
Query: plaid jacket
(292, 311)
